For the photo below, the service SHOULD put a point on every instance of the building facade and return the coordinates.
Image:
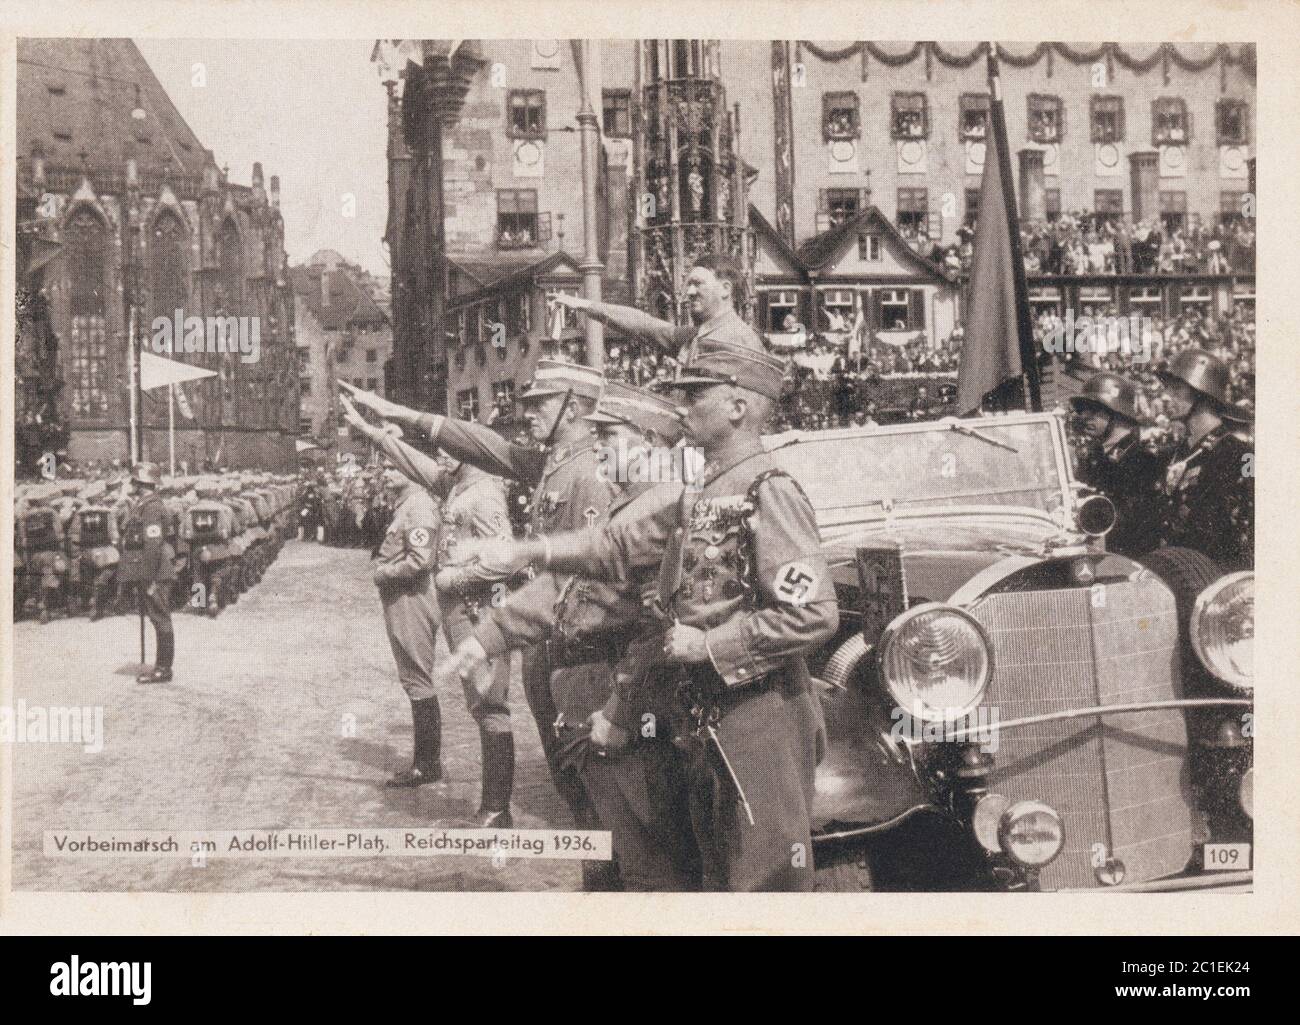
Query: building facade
(852, 155)
(128, 223)
(342, 332)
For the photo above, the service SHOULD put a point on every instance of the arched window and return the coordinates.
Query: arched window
(87, 242)
(230, 283)
(168, 267)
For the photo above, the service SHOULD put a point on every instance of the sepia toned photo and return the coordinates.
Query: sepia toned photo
(633, 465)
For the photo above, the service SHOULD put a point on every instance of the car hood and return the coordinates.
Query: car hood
(942, 549)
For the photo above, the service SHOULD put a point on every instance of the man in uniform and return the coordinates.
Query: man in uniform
(744, 591)
(93, 555)
(1210, 484)
(40, 542)
(713, 288)
(632, 773)
(475, 507)
(147, 566)
(1116, 461)
(403, 572)
(568, 493)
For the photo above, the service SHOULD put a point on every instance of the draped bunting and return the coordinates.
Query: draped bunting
(1164, 54)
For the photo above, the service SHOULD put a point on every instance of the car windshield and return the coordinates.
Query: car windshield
(989, 461)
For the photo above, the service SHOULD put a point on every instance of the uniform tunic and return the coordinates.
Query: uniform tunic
(640, 792)
(739, 559)
(569, 493)
(147, 562)
(475, 507)
(1131, 476)
(403, 574)
(1210, 494)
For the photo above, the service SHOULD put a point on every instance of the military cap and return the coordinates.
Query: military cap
(1110, 392)
(556, 377)
(727, 363)
(623, 403)
(1207, 375)
(146, 473)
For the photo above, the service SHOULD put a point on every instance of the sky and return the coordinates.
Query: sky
(312, 111)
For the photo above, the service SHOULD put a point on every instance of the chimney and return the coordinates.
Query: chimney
(1033, 186)
(275, 191)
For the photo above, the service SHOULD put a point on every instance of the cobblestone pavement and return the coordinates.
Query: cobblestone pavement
(286, 713)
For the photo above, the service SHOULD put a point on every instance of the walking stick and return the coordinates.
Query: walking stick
(140, 608)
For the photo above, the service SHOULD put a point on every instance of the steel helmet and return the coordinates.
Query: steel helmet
(1111, 392)
(146, 473)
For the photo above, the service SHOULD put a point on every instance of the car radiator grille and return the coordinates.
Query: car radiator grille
(1117, 781)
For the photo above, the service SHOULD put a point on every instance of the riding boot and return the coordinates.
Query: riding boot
(498, 779)
(426, 765)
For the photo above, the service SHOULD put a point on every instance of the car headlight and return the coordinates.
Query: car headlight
(987, 819)
(1222, 628)
(1032, 833)
(936, 662)
(1246, 792)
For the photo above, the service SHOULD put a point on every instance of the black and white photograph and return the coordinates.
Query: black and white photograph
(620, 465)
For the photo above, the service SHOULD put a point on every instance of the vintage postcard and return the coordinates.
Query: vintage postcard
(691, 456)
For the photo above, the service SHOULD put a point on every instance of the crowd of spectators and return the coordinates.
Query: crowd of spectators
(1083, 243)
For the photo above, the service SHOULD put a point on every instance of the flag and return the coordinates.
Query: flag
(156, 372)
(999, 343)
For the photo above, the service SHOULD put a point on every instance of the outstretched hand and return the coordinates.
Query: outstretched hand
(375, 403)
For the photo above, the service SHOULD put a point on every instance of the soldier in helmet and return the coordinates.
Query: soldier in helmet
(40, 540)
(147, 566)
(1116, 461)
(1210, 484)
(93, 554)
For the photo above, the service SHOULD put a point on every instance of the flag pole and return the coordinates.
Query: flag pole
(171, 429)
(1024, 323)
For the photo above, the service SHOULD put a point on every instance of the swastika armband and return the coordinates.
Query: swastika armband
(795, 583)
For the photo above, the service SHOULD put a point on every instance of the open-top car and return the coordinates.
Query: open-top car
(1009, 705)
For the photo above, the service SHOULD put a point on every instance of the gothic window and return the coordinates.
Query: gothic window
(87, 241)
(1232, 122)
(168, 265)
(1046, 118)
(230, 280)
(909, 119)
(527, 114)
(973, 125)
(1107, 119)
(840, 116)
(1169, 122)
